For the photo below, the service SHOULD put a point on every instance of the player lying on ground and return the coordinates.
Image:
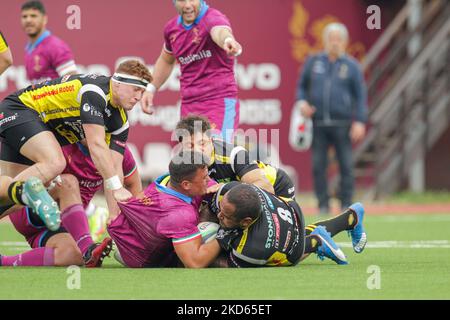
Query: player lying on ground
(260, 229)
(70, 244)
(159, 229)
(79, 184)
(230, 162)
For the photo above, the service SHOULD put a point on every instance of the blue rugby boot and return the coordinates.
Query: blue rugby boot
(358, 233)
(36, 197)
(328, 247)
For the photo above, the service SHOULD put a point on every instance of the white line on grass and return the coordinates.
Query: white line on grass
(420, 244)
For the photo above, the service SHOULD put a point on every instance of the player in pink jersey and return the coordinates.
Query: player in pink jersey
(80, 164)
(46, 56)
(200, 39)
(159, 228)
(70, 244)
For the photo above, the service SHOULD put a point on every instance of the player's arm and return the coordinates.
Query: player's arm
(102, 156)
(194, 254)
(258, 178)
(223, 37)
(6, 59)
(163, 68)
(161, 72)
(132, 182)
(247, 171)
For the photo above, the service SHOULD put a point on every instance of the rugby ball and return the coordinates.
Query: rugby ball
(208, 230)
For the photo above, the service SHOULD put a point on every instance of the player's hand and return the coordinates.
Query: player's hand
(357, 131)
(122, 195)
(147, 102)
(305, 108)
(214, 188)
(232, 47)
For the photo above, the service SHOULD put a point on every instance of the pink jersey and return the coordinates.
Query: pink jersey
(206, 70)
(146, 230)
(47, 58)
(80, 164)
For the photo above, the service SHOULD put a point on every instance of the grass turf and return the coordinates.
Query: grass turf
(406, 273)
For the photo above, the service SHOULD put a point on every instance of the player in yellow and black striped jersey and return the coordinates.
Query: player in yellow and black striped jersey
(230, 162)
(37, 120)
(5, 54)
(260, 229)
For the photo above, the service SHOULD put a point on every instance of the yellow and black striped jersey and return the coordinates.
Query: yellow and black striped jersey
(66, 103)
(231, 163)
(3, 43)
(276, 238)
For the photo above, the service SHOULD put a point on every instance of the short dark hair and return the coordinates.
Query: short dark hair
(190, 124)
(246, 200)
(34, 4)
(185, 164)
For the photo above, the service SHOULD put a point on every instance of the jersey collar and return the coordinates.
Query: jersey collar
(31, 46)
(203, 11)
(160, 187)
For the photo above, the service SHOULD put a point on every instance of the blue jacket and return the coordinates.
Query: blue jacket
(337, 90)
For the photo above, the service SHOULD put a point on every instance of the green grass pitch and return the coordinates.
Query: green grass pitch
(412, 253)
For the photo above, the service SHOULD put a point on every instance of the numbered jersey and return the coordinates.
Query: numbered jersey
(276, 238)
(65, 104)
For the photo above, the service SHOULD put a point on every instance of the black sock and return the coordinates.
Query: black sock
(15, 191)
(34, 218)
(312, 243)
(344, 221)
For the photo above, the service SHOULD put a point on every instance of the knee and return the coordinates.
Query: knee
(69, 183)
(59, 164)
(68, 255)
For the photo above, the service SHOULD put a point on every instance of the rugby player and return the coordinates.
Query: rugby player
(230, 162)
(200, 38)
(70, 244)
(40, 119)
(159, 229)
(46, 56)
(260, 229)
(6, 58)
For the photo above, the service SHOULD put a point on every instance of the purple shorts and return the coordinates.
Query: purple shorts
(223, 114)
(36, 234)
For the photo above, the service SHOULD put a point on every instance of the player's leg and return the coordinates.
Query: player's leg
(65, 250)
(319, 241)
(35, 232)
(29, 193)
(350, 220)
(75, 221)
(41, 147)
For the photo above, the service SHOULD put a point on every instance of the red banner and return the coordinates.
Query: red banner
(276, 37)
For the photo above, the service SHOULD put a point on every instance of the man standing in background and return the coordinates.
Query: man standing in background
(46, 56)
(6, 58)
(201, 40)
(332, 92)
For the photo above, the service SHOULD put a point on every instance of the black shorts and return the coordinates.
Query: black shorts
(18, 124)
(284, 187)
(300, 221)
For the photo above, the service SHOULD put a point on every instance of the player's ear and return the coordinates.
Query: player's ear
(246, 222)
(186, 185)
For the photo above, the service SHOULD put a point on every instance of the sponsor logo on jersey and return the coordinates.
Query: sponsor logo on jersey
(203, 54)
(8, 119)
(86, 107)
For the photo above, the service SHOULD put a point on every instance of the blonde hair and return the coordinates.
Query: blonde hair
(135, 68)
